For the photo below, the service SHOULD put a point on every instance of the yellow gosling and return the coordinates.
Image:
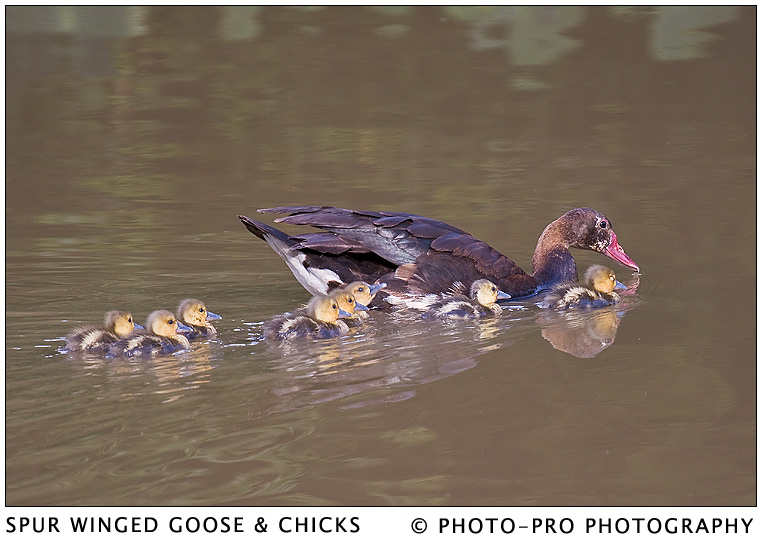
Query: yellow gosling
(320, 319)
(117, 324)
(162, 335)
(194, 314)
(481, 301)
(598, 290)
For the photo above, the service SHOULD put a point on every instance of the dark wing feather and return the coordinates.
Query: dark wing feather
(396, 237)
(475, 260)
(442, 253)
(349, 259)
(440, 272)
(260, 229)
(389, 221)
(351, 267)
(328, 243)
(430, 229)
(487, 260)
(323, 217)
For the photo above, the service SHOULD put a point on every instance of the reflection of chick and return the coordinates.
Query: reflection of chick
(598, 291)
(319, 320)
(194, 314)
(583, 334)
(161, 335)
(97, 339)
(482, 301)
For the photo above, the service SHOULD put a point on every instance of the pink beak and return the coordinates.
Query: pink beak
(616, 252)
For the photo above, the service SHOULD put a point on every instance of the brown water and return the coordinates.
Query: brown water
(134, 136)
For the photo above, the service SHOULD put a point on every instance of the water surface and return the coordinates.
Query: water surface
(134, 136)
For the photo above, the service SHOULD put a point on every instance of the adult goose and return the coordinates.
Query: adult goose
(416, 255)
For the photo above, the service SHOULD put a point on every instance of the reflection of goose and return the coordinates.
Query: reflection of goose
(581, 334)
(162, 335)
(319, 320)
(597, 291)
(372, 246)
(481, 301)
(194, 314)
(97, 339)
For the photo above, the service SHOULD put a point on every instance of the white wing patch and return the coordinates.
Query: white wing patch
(421, 302)
(313, 279)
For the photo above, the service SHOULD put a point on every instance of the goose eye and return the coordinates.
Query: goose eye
(361, 289)
(201, 309)
(170, 322)
(604, 224)
(129, 320)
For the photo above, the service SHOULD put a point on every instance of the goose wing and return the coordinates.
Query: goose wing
(440, 253)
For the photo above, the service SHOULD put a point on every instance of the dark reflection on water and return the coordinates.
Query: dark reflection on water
(586, 333)
(136, 135)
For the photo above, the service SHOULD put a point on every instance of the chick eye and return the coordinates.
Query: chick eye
(604, 224)
(361, 289)
(170, 322)
(201, 309)
(129, 320)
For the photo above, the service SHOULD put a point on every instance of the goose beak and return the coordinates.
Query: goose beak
(360, 307)
(211, 316)
(376, 287)
(182, 328)
(619, 286)
(344, 314)
(616, 252)
(502, 295)
(138, 326)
